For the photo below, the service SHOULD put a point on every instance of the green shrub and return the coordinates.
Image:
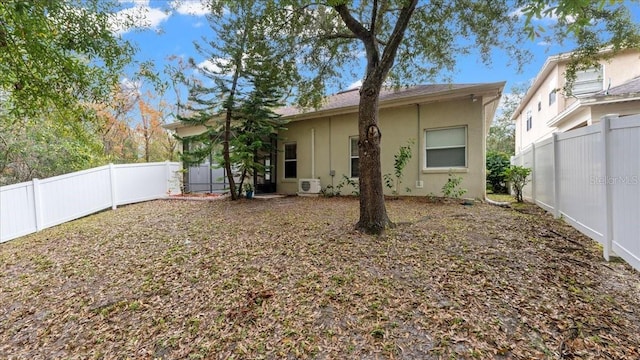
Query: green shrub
(401, 159)
(331, 191)
(518, 176)
(497, 163)
(452, 187)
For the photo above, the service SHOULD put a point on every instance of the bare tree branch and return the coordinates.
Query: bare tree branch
(352, 23)
(374, 17)
(346, 36)
(397, 35)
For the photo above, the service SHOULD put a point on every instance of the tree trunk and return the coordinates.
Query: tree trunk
(226, 155)
(373, 213)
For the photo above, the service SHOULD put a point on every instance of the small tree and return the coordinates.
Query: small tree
(451, 188)
(502, 133)
(256, 126)
(401, 159)
(497, 163)
(518, 176)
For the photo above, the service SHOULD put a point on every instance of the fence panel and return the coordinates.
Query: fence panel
(624, 183)
(139, 182)
(28, 207)
(527, 161)
(543, 176)
(71, 196)
(17, 211)
(582, 199)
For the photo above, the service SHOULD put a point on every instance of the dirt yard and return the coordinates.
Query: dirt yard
(289, 279)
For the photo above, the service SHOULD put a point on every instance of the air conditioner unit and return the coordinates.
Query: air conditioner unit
(309, 186)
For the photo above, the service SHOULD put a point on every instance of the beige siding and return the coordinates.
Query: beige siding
(622, 109)
(616, 71)
(450, 114)
(539, 129)
(397, 125)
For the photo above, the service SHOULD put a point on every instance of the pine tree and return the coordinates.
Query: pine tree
(237, 111)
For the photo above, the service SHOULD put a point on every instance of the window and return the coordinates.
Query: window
(446, 148)
(529, 120)
(588, 81)
(539, 102)
(290, 161)
(354, 160)
(552, 97)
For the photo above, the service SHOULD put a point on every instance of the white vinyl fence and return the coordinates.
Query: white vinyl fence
(35, 205)
(591, 178)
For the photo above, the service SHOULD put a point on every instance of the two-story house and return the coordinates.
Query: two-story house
(613, 87)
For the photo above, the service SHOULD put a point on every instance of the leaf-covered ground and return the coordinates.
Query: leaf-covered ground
(289, 279)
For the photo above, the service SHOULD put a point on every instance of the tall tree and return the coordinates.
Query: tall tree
(410, 40)
(58, 54)
(45, 147)
(112, 123)
(239, 62)
(156, 143)
(502, 133)
(257, 125)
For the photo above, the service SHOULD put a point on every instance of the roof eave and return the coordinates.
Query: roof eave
(592, 101)
(479, 90)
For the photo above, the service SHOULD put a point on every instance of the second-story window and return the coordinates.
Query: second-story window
(552, 97)
(539, 102)
(529, 120)
(588, 81)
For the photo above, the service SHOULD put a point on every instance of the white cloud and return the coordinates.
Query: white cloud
(517, 13)
(136, 2)
(129, 85)
(140, 16)
(190, 7)
(212, 66)
(130, 89)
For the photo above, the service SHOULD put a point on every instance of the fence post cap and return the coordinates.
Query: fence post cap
(610, 116)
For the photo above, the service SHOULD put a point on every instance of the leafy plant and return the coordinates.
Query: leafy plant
(401, 159)
(331, 191)
(497, 163)
(452, 187)
(518, 176)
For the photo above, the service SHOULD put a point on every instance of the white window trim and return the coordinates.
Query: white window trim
(553, 92)
(453, 169)
(285, 160)
(351, 157)
(601, 76)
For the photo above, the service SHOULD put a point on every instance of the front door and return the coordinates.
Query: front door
(265, 178)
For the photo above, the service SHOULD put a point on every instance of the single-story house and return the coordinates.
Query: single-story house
(447, 123)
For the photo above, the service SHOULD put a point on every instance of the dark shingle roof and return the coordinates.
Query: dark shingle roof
(351, 98)
(630, 87)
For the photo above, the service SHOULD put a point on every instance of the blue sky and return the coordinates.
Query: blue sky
(170, 27)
